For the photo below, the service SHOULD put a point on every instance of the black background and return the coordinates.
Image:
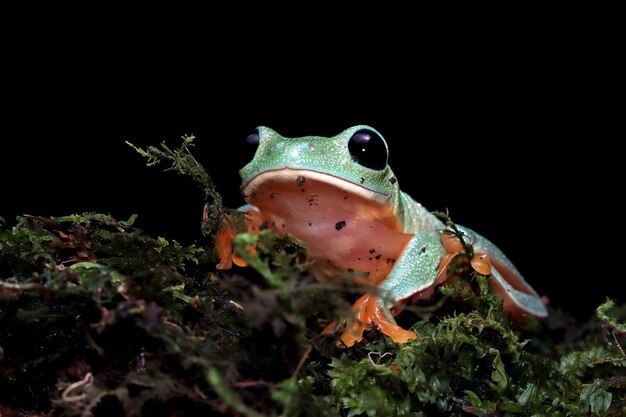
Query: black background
(516, 141)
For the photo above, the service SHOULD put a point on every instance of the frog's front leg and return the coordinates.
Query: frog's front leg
(226, 233)
(414, 271)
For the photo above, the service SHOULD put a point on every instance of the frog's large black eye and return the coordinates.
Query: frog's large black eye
(367, 148)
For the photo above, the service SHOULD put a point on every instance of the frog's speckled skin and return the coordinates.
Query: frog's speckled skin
(356, 218)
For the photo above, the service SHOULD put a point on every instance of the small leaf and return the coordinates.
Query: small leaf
(498, 375)
(528, 393)
(478, 404)
(129, 222)
(595, 398)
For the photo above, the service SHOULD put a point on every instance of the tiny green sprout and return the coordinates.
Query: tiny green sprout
(604, 312)
(454, 231)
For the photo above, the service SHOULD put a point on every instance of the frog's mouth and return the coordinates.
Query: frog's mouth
(308, 183)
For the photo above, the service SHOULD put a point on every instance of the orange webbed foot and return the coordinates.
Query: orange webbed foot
(226, 233)
(224, 247)
(369, 313)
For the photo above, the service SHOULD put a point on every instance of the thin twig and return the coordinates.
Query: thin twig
(302, 360)
(619, 347)
(622, 357)
(253, 383)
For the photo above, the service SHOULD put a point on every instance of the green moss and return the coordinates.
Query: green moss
(97, 318)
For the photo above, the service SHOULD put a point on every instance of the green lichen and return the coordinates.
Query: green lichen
(98, 318)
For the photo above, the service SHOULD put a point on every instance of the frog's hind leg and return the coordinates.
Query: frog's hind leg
(520, 299)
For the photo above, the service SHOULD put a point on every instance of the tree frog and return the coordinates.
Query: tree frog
(340, 197)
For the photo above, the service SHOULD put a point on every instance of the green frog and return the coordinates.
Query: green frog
(340, 197)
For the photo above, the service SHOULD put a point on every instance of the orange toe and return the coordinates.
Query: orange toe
(224, 246)
(358, 325)
(353, 333)
(481, 263)
(395, 332)
(330, 328)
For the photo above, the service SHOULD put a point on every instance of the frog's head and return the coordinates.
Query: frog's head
(353, 162)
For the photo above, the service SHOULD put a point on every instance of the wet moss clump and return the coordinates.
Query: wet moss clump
(98, 318)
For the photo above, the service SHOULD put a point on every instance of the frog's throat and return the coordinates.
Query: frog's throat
(298, 175)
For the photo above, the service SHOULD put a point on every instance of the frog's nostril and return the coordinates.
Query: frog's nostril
(311, 147)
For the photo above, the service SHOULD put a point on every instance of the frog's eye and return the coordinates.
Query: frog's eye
(367, 148)
(253, 138)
